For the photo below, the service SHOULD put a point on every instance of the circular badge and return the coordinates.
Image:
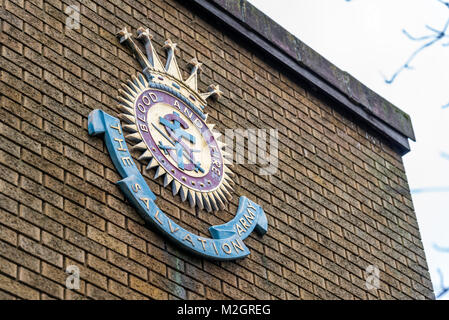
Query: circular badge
(166, 122)
(165, 118)
(179, 140)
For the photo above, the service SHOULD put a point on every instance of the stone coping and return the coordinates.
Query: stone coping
(260, 30)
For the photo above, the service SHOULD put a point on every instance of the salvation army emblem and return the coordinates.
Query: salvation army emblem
(164, 118)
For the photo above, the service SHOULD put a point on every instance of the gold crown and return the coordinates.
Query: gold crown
(152, 66)
(169, 76)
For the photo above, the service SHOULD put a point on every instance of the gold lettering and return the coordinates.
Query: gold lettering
(147, 202)
(156, 216)
(121, 146)
(244, 224)
(202, 242)
(249, 217)
(127, 162)
(229, 250)
(171, 227)
(188, 238)
(240, 230)
(136, 187)
(118, 128)
(176, 104)
(216, 251)
(238, 245)
(250, 206)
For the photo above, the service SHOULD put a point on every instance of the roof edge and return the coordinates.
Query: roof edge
(260, 30)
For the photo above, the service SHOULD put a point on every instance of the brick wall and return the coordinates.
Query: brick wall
(339, 202)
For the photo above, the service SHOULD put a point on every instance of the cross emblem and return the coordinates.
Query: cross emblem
(175, 128)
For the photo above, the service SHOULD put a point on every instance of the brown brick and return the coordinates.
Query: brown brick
(128, 265)
(19, 138)
(107, 269)
(339, 201)
(98, 294)
(85, 243)
(147, 289)
(252, 290)
(206, 278)
(45, 194)
(8, 204)
(8, 235)
(40, 251)
(19, 225)
(143, 232)
(226, 276)
(10, 175)
(101, 210)
(8, 267)
(106, 240)
(62, 162)
(88, 275)
(125, 292)
(18, 289)
(63, 247)
(82, 214)
(79, 158)
(235, 293)
(36, 281)
(126, 237)
(44, 165)
(20, 195)
(185, 281)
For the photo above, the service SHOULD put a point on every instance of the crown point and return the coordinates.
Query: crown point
(215, 91)
(194, 63)
(169, 45)
(171, 65)
(142, 33)
(123, 35)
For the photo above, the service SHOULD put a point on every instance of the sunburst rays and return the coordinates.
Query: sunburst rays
(210, 200)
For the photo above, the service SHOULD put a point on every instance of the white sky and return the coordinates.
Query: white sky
(364, 38)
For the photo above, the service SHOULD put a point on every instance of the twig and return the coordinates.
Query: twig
(434, 38)
(433, 189)
(444, 289)
(438, 248)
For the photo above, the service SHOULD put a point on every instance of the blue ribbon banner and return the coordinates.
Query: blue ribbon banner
(227, 239)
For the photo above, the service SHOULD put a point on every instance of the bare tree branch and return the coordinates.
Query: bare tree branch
(443, 289)
(438, 248)
(446, 3)
(433, 38)
(431, 190)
